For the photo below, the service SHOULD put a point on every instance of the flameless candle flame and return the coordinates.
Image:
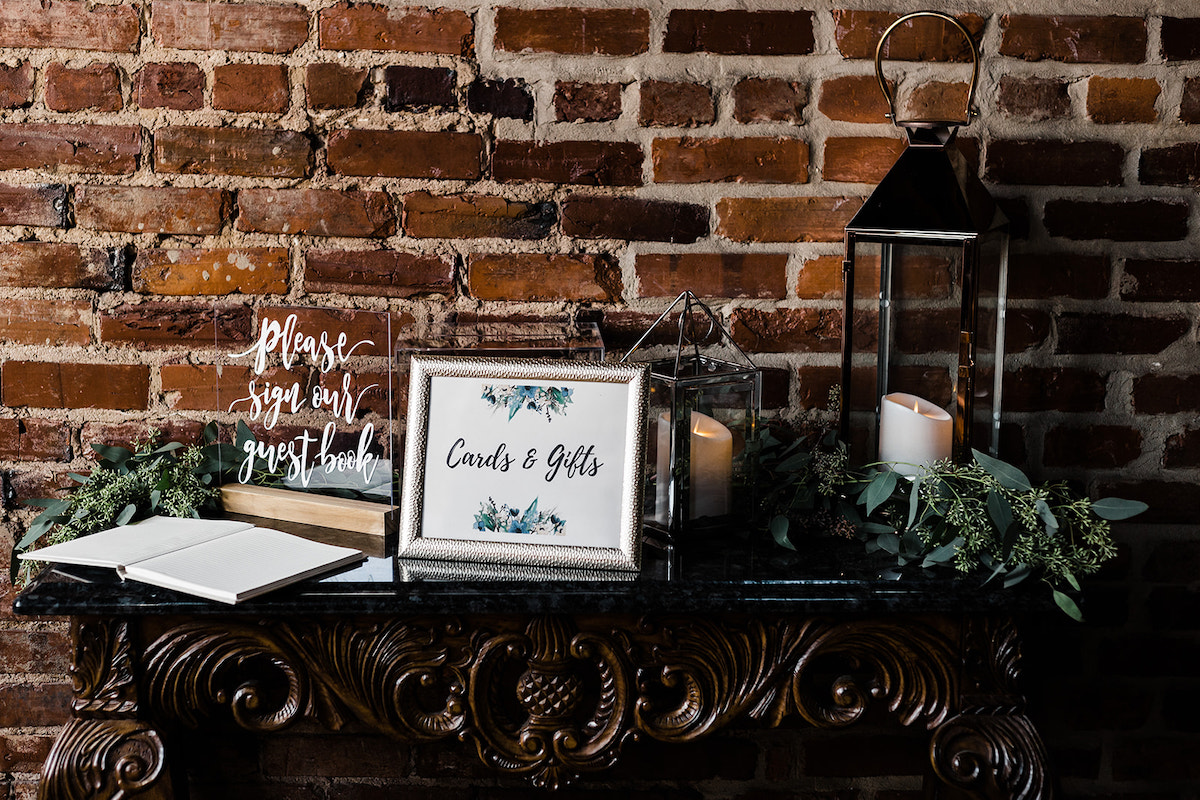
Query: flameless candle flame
(711, 469)
(913, 438)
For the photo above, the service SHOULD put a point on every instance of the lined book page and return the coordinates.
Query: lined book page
(241, 565)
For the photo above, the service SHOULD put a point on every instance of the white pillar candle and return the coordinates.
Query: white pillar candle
(913, 433)
(711, 469)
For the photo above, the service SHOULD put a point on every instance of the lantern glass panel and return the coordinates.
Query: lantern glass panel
(928, 321)
(700, 418)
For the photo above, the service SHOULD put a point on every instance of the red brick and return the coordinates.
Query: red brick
(25, 705)
(1118, 333)
(157, 325)
(69, 24)
(859, 755)
(16, 85)
(739, 32)
(748, 160)
(218, 271)
(785, 219)
(470, 216)
(34, 651)
(1182, 450)
(253, 88)
(37, 321)
(152, 209)
(373, 26)
(335, 86)
(29, 439)
(573, 31)
(317, 212)
(769, 100)
(248, 27)
(1120, 221)
(511, 98)
(633, 219)
(1176, 165)
(853, 98)
(262, 153)
(96, 87)
(42, 205)
(522, 276)
(409, 88)
(738, 275)
(24, 753)
(666, 104)
(1181, 38)
(579, 163)
(443, 155)
(937, 101)
(359, 326)
(58, 265)
(1162, 757)
(586, 102)
(204, 387)
(111, 150)
(1094, 446)
(1074, 39)
(54, 385)
(787, 330)
(361, 756)
(1117, 100)
(1161, 280)
(1189, 105)
(915, 276)
(860, 159)
(1035, 99)
(1039, 276)
(1166, 394)
(1169, 501)
(377, 272)
(857, 34)
(177, 86)
(1049, 162)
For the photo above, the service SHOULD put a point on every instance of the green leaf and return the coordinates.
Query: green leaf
(210, 433)
(1047, 516)
(795, 462)
(1068, 606)
(943, 555)
(126, 514)
(779, 531)
(117, 455)
(155, 499)
(914, 501)
(1114, 508)
(169, 447)
(1009, 476)
(1000, 511)
(38, 527)
(1016, 575)
(244, 434)
(879, 491)
(875, 527)
(889, 542)
(1071, 580)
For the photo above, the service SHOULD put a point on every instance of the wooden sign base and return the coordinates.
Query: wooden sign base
(312, 509)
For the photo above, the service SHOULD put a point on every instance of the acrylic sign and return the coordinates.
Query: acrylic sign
(314, 387)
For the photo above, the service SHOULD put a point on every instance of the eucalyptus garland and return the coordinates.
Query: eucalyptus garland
(128, 484)
(985, 517)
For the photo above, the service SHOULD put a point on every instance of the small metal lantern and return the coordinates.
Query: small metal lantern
(941, 246)
(703, 411)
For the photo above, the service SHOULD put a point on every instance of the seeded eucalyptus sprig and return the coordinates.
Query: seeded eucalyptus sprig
(985, 517)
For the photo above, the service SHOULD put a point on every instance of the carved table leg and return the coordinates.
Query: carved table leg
(102, 758)
(991, 756)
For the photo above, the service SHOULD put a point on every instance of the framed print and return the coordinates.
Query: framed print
(523, 461)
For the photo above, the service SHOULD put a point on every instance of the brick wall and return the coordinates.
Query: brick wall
(537, 160)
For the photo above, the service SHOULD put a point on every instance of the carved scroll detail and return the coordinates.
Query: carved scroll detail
(550, 702)
(991, 756)
(705, 675)
(95, 758)
(102, 669)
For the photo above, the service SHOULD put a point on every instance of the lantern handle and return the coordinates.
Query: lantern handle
(891, 101)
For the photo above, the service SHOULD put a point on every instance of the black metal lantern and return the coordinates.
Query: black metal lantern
(703, 411)
(940, 244)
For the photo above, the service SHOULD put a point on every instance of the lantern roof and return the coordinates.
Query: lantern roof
(929, 193)
(696, 327)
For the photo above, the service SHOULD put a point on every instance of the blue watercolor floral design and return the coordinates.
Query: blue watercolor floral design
(505, 519)
(546, 400)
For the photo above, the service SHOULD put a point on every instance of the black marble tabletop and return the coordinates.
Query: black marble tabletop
(728, 573)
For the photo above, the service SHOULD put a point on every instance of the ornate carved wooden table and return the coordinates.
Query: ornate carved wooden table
(546, 675)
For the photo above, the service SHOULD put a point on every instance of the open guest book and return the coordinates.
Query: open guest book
(224, 560)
